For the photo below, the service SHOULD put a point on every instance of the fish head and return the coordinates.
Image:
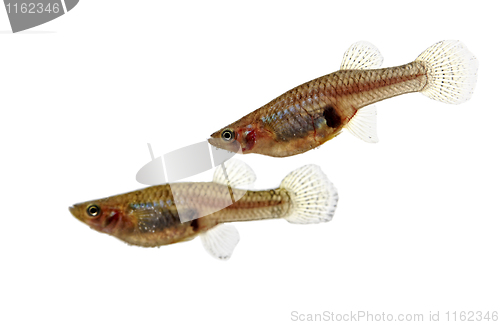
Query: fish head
(251, 138)
(227, 139)
(103, 215)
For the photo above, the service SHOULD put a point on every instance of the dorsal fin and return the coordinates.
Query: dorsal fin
(361, 55)
(238, 174)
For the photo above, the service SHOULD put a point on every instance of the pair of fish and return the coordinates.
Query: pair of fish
(295, 122)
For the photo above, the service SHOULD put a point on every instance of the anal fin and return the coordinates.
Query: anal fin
(220, 241)
(363, 124)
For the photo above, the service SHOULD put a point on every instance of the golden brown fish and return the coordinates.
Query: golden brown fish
(315, 112)
(152, 216)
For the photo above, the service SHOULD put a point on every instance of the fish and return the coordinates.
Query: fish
(307, 116)
(151, 217)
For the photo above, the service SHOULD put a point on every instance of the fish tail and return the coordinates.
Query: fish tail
(451, 72)
(313, 196)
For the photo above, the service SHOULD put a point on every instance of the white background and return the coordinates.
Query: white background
(417, 225)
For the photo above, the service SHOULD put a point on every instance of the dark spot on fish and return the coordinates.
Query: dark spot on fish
(194, 224)
(333, 119)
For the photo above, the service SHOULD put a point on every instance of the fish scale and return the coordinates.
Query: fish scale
(311, 114)
(152, 216)
(346, 91)
(151, 212)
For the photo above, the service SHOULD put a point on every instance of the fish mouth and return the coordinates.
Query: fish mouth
(212, 140)
(218, 143)
(233, 146)
(74, 211)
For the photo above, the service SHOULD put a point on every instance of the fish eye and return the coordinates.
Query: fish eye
(93, 210)
(227, 135)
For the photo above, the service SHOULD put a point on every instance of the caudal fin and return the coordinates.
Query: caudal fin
(314, 197)
(452, 72)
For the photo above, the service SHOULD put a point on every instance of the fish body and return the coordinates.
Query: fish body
(307, 116)
(151, 216)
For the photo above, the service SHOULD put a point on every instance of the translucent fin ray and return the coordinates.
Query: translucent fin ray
(363, 125)
(451, 72)
(361, 55)
(314, 197)
(238, 173)
(220, 241)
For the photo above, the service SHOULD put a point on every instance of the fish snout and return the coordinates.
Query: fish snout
(212, 140)
(75, 212)
(233, 146)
